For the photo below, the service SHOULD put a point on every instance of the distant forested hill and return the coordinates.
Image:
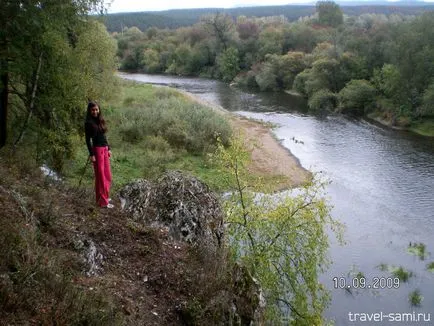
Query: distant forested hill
(187, 17)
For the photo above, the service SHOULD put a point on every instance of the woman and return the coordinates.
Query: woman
(99, 152)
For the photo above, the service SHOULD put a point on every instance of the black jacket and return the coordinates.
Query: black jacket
(95, 137)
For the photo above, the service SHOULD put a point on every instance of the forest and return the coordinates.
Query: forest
(185, 17)
(54, 57)
(375, 64)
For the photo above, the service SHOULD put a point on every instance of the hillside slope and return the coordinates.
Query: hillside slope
(64, 261)
(187, 17)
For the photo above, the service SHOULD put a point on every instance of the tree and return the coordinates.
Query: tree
(270, 41)
(4, 84)
(329, 13)
(281, 241)
(266, 78)
(300, 81)
(427, 107)
(247, 29)
(357, 97)
(228, 64)
(48, 69)
(151, 61)
(324, 75)
(303, 36)
(288, 66)
(278, 71)
(321, 101)
(220, 26)
(181, 61)
(388, 81)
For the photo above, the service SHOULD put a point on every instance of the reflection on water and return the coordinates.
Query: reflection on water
(382, 184)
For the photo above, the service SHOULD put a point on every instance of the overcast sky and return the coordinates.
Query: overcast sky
(156, 5)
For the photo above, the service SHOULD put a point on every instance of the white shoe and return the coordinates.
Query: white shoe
(108, 206)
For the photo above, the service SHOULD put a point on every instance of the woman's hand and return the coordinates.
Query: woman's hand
(109, 154)
(92, 158)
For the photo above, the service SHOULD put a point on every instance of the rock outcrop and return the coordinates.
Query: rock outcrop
(182, 204)
(189, 211)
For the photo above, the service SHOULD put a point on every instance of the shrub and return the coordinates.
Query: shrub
(246, 80)
(228, 64)
(300, 82)
(322, 100)
(182, 124)
(427, 107)
(415, 298)
(282, 242)
(35, 283)
(156, 143)
(266, 77)
(358, 97)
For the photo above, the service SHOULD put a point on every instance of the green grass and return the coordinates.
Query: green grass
(425, 128)
(401, 273)
(383, 267)
(154, 129)
(430, 267)
(417, 249)
(415, 298)
(38, 280)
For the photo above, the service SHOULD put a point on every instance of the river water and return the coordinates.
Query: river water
(382, 189)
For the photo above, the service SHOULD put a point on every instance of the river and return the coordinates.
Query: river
(382, 189)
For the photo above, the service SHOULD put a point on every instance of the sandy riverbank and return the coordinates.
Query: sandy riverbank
(269, 157)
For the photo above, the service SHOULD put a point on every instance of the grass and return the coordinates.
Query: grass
(37, 280)
(415, 298)
(44, 228)
(422, 127)
(383, 267)
(425, 128)
(430, 267)
(417, 249)
(154, 129)
(401, 273)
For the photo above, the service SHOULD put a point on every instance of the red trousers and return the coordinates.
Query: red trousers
(103, 175)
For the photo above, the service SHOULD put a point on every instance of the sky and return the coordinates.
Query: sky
(158, 5)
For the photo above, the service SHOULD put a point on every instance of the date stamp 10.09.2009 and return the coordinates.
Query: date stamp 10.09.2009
(366, 283)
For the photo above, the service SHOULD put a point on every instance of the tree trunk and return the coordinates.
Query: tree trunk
(4, 82)
(32, 101)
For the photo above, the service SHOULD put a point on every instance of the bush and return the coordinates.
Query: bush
(357, 97)
(266, 78)
(300, 82)
(228, 64)
(281, 242)
(322, 100)
(170, 116)
(36, 281)
(156, 143)
(427, 108)
(246, 80)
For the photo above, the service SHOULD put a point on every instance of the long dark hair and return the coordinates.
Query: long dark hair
(98, 121)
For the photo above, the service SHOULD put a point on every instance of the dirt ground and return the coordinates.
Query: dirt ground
(269, 157)
(149, 278)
